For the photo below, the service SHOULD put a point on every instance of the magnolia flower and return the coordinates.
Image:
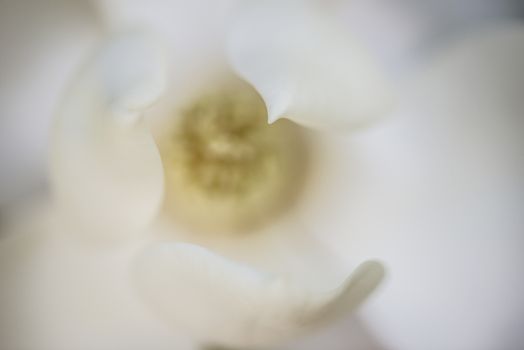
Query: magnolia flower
(148, 239)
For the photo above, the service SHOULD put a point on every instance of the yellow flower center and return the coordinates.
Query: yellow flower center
(226, 168)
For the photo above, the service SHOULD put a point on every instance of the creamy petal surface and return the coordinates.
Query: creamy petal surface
(305, 67)
(106, 169)
(228, 303)
(59, 293)
(439, 199)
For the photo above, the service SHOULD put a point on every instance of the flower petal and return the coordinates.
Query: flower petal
(227, 303)
(106, 169)
(194, 29)
(440, 200)
(305, 68)
(59, 293)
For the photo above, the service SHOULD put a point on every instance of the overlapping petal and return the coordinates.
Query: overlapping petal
(232, 304)
(443, 194)
(59, 293)
(106, 168)
(305, 67)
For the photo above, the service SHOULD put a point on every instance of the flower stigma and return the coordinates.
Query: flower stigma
(226, 168)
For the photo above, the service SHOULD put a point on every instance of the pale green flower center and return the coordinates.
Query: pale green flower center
(226, 168)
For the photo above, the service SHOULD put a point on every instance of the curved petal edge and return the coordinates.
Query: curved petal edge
(306, 68)
(105, 167)
(227, 303)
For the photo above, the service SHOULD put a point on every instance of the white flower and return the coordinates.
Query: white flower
(219, 165)
(376, 193)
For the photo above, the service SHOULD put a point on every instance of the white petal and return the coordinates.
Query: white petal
(59, 293)
(194, 29)
(441, 197)
(305, 68)
(223, 302)
(105, 165)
